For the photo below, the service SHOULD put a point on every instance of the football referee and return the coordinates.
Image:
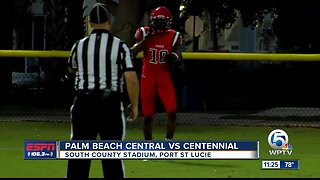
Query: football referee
(102, 64)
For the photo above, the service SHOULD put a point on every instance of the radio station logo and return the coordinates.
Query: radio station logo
(40, 149)
(278, 139)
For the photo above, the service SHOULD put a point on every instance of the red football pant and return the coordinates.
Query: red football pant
(157, 84)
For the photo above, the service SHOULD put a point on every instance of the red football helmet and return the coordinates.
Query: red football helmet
(161, 19)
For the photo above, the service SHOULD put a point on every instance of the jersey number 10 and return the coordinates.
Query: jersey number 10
(158, 56)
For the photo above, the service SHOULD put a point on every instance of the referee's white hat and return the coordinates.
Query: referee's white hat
(99, 13)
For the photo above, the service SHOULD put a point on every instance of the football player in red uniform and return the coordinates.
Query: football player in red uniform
(161, 48)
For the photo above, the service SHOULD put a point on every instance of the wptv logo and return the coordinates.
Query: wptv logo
(278, 139)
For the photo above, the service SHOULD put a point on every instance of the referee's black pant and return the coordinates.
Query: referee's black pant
(94, 113)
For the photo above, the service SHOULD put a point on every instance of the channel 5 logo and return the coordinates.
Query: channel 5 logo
(278, 139)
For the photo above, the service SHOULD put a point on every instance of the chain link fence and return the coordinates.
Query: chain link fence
(209, 93)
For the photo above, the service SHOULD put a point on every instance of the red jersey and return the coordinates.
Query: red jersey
(156, 48)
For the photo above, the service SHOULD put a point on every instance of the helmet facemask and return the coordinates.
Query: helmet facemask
(160, 25)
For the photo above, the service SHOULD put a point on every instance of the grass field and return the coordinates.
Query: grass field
(305, 142)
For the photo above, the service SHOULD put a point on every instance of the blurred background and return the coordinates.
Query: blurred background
(210, 92)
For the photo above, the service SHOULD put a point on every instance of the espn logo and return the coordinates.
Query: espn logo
(40, 147)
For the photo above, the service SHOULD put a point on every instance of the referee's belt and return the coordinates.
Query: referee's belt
(96, 92)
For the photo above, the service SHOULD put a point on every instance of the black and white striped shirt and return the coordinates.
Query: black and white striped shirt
(99, 60)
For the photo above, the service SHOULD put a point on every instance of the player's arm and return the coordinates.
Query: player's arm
(132, 82)
(176, 46)
(71, 71)
(140, 36)
(137, 47)
(175, 56)
(72, 61)
(177, 53)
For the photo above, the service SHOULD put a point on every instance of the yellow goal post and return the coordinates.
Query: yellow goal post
(186, 55)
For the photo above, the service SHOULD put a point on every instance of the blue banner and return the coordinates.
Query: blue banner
(160, 145)
(119, 149)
